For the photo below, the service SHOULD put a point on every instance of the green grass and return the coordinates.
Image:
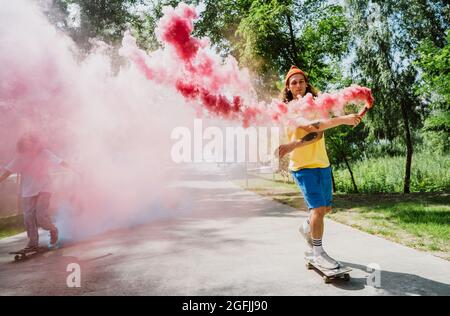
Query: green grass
(420, 220)
(429, 173)
(417, 220)
(11, 225)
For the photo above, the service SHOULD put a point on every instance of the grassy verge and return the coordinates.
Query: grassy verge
(430, 172)
(417, 220)
(11, 225)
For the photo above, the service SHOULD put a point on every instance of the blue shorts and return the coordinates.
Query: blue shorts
(316, 186)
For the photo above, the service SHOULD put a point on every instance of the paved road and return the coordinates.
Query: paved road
(226, 241)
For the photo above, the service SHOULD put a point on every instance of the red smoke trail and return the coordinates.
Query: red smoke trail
(309, 108)
(177, 32)
(199, 76)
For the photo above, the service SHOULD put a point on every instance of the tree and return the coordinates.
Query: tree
(385, 39)
(104, 20)
(265, 36)
(345, 144)
(270, 36)
(435, 89)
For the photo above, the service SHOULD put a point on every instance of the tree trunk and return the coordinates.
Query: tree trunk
(292, 38)
(409, 148)
(351, 174)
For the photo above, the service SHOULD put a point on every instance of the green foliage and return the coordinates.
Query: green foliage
(436, 132)
(430, 173)
(105, 20)
(438, 122)
(384, 148)
(11, 225)
(270, 36)
(435, 65)
(434, 87)
(345, 141)
(385, 37)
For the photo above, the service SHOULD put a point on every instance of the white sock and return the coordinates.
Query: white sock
(317, 247)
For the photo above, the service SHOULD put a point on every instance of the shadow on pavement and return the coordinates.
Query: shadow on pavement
(395, 283)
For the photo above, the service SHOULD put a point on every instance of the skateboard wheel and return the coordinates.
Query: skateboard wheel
(16, 257)
(308, 266)
(347, 277)
(326, 279)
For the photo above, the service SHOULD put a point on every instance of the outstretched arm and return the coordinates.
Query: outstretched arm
(322, 125)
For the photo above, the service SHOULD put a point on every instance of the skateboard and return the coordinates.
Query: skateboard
(24, 255)
(328, 275)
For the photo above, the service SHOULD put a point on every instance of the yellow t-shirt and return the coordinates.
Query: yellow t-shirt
(309, 156)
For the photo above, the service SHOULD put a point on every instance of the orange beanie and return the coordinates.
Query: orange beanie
(293, 71)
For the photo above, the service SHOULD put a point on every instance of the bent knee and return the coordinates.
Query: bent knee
(320, 211)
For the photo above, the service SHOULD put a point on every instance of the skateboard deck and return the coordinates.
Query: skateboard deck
(328, 275)
(24, 255)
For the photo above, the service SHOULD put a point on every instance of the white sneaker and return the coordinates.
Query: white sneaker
(325, 261)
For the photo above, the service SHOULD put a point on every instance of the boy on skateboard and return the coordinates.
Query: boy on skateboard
(33, 162)
(310, 167)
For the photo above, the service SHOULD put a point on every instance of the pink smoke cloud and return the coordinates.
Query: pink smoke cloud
(114, 127)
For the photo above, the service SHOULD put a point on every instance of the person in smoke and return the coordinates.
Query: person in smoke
(33, 162)
(309, 165)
